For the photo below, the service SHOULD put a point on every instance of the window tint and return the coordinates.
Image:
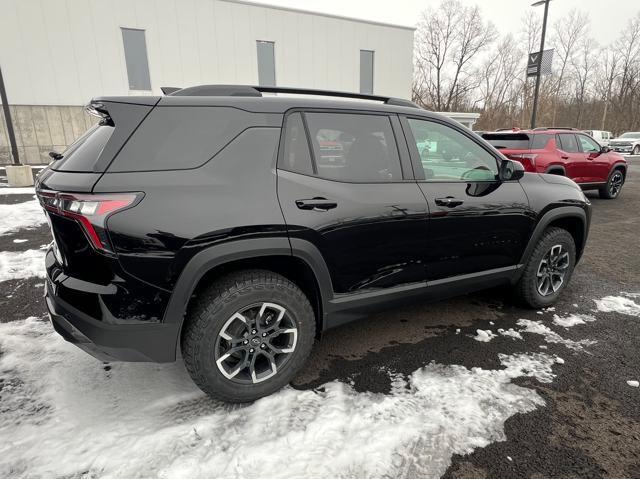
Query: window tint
(366, 71)
(83, 154)
(508, 141)
(354, 147)
(135, 55)
(174, 138)
(266, 64)
(568, 142)
(540, 141)
(448, 155)
(588, 145)
(296, 156)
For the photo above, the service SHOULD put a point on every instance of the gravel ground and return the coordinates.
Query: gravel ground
(590, 424)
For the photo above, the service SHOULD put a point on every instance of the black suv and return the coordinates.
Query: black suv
(236, 227)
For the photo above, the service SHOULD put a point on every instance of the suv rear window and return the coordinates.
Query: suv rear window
(179, 138)
(540, 140)
(83, 154)
(354, 147)
(508, 141)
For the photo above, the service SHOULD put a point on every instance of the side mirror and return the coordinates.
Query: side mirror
(511, 170)
(605, 149)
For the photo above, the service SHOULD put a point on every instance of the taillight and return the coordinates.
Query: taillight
(90, 211)
(528, 160)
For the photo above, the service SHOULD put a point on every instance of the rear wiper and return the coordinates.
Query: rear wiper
(55, 155)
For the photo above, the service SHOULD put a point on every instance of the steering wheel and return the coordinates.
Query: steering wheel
(469, 173)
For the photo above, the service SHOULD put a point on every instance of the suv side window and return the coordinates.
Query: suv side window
(296, 157)
(568, 143)
(539, 141)
(354, 147)
(588, 145)
(448, 155)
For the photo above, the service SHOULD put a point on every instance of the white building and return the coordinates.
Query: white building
(58, 54)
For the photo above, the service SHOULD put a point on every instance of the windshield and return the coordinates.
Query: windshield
(631, 134)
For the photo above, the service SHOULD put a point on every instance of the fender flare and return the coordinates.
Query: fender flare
(220, 254)
(546, 219)
(556, 167)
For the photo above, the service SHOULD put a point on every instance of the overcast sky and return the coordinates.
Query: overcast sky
(607, 16)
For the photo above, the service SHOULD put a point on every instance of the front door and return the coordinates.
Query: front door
(597, 167)
(343, 189)
(573, 159)
(477, 222)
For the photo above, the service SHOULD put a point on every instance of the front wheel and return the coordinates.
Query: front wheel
(613, 187)
(247, 335)
(636, 150)
(548, 270)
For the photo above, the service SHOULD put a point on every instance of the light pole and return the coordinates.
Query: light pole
(7, 118)
(534, 110)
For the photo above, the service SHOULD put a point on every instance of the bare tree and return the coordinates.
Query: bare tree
(568, 32)
(448, 39)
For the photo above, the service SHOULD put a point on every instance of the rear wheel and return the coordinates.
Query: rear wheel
(613, 187)
(248, 335)
(548, 270)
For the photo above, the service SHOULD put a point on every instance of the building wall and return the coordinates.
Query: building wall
(64, 52)
(41, 129)
(58, 54)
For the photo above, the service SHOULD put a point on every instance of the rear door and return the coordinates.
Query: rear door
(477, 222)
(362, 211)
(573, 159)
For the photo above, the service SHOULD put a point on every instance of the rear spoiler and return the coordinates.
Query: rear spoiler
(168, 90)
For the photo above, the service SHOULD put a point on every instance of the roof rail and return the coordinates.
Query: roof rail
(540, 128)
(255, 91)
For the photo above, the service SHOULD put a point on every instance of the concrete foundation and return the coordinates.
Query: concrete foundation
(19, 175)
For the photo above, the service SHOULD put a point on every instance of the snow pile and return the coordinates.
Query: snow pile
(550, 336)
(510, 332)
(633, 384)
(618, 304)
(19, 216)
(21, 264)
(484, 336)
(64, 415)
(572, 320)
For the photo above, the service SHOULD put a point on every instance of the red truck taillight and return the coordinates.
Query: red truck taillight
(90, 211)
(528, 160)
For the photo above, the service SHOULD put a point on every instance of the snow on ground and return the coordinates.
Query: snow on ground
(484, 336)
(572, 320)
(618, 304)
(19, 216)
(633, 384)
(550, 336)
(17, 191)
(21, 264)
(510, 332)
(63, 414)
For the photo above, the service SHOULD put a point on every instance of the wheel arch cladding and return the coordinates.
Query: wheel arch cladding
(571, 218)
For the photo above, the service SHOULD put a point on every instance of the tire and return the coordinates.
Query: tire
(613, 187)
(636, 150)
(214, 318)
(527, 287)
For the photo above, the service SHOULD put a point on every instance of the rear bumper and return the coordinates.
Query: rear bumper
(149, 342)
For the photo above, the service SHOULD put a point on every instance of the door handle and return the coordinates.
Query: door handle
(316, 204)
(449, 201)
(564, 157)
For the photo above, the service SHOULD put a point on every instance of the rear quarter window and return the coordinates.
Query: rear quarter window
(508, 141)
(539, 141)
(178, 138)
(82, 155)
